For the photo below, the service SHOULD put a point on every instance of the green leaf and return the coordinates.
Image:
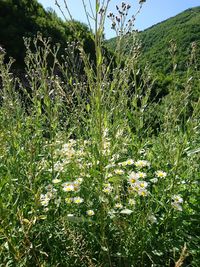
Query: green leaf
(194, 151)
(115, 179)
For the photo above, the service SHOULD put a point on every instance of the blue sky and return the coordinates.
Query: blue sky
(153, 11)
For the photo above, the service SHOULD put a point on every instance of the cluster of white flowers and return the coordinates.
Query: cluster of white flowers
(142, 163)
(76, 200)
(133, 179)
(67, 187)
(71, 152)
(72, 186)
(118, 171)
(118, 206)
(128, 162)
(131, 202)
(106, 145)
(137, 185)
(51, 194)
(44, 200)
(107, 188)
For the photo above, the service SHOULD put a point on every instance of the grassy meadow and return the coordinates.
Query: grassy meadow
(93, 171)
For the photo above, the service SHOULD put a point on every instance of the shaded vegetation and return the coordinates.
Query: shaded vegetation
(23, 18)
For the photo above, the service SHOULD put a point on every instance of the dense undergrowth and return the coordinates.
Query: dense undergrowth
(93, 171)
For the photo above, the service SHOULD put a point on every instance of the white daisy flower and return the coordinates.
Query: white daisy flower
(161, 174)
(90, 212)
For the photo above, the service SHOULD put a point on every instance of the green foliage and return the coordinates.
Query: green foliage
(93, 172)
(167, 47)
(183, 30)
(21, 18)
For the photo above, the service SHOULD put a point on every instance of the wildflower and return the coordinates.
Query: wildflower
(86, 142)
(116, 197)
(141, 174)
(78, 200)
(143, 184)
(133, 178)
(143, 193)
(161, 174)
(154, 180)
(135, 187)
(111, 213)
(126, 211)
(118, 206)
(177, 199)
(68, 200)
(109, 175)
(51, 194)
(58, 166)
(72, 142)
(152, 219)
(76, 185)
(131, 202)
(115, 157)
(129, 162)
(176, 202)
(177, 206)
(142, 151)
(68, 150)
(142, 163)
(90, 212)
(49, 187)
(56, 181)
(79, 180)
(44, 200)
(57, 201)
(118, 171)
(108, 188)
(68, 188)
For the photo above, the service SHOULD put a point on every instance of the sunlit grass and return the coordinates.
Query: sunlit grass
(89, 179)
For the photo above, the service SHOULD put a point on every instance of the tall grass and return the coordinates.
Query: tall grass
(93, 173)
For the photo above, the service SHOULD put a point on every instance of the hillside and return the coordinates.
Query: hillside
(183, 29)
(24, 18)
(181, 32)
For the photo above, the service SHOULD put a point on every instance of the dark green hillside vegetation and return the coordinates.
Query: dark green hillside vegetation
(24, 18)
(182, 30)
(171, 49)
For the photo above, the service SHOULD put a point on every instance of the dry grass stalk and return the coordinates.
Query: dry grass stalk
(183, 256)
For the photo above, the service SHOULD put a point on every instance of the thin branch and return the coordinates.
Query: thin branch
(87, 14)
